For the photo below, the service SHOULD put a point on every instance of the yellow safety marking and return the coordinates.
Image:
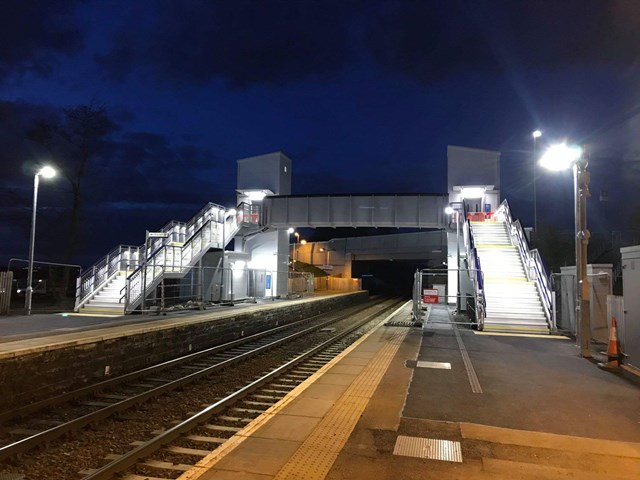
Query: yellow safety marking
(499, 278)
(208, 462)
(525, 329)
(567, 443)
(315, 457)
(530, 335)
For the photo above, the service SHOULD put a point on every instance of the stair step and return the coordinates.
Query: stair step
(518, 317)
(515, 320)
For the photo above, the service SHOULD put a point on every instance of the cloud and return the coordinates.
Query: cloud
(429, 41)
(34, 32)
(138, 180)
(243, 42)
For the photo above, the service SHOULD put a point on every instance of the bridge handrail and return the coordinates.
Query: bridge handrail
(473, 261)
(535, 268)
(179, 258)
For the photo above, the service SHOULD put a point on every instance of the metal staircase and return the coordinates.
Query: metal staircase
(513, 302)
(107, 298)
(138, 269)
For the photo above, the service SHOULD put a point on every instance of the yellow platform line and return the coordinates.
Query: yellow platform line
(317, 454)
(209, 462)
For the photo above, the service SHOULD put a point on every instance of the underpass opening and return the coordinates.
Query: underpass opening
(389, 277)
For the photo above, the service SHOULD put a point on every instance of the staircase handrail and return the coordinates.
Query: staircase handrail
(473, 261)
(535, 268)
(204, 237)
(102, 271)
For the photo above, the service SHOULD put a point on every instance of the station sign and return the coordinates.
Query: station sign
(429, 295)
(157, 234)
(327, 267)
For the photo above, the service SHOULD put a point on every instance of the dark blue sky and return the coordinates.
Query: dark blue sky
(364, 96)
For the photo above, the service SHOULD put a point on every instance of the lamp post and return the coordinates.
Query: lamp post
(557, 158)
(45, 172)
(535, 135)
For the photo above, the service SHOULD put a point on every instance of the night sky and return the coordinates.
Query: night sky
(364, 97)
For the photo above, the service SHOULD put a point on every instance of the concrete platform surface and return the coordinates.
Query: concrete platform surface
(507, 408)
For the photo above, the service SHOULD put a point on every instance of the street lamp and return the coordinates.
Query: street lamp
(557, 158)
(44, 172)
(290, 231)
(535, 135)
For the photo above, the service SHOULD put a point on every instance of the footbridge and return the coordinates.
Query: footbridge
(388, 210)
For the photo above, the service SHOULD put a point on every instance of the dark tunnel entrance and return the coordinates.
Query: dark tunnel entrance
(388, 277)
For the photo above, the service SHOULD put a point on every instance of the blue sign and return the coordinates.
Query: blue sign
(268, 287)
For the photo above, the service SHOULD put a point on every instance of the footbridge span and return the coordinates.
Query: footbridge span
(386, 210)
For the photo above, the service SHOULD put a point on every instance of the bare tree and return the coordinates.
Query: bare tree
(74, 140)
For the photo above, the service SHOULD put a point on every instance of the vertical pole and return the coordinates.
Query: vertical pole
(144, 272)
(581, 192)
(459, 296)
(32, 242)
(535, 203)
(224, 222)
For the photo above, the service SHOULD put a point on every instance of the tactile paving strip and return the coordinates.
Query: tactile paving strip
(209, 462)
(430, 448)
(315, 457)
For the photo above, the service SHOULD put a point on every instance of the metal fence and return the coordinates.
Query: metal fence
(52, 287)
(600, 287)
(430, 286)
(202, 287)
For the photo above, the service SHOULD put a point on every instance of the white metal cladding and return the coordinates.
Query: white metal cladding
(412, 211)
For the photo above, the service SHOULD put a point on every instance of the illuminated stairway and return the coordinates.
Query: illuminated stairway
(107, 299)
(513, 301)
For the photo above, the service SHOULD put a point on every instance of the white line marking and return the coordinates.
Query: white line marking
(442, 365)
(471, 373)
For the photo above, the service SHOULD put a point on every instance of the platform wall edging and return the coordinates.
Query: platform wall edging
(35, 376)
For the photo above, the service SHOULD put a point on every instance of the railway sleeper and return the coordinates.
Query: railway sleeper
(206, 439)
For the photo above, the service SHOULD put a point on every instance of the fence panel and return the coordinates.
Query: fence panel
(6, 284)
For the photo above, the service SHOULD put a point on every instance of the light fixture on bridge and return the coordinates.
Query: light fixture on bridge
(472, 192)
(255, 195)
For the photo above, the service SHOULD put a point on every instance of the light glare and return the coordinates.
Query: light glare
(449, 211)
(560, 157)
(472, 192)
(290, 230)
(47, 172)
(536, 134)
(256, 196)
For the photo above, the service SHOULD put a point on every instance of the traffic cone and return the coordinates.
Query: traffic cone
(613, 351)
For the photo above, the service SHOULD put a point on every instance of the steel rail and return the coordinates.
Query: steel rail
(130, 458)
(33, 441)
(25, 410)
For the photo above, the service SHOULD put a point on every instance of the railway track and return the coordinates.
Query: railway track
(177, 448)
(93, 404)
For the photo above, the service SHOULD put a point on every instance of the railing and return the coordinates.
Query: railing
(179, 234)
(534, 266)
(116, 260)
(475, 272)
(216, 232)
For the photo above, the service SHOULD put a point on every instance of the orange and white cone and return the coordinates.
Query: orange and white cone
(613, 351)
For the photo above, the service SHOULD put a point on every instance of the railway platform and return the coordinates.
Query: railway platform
(442, 402)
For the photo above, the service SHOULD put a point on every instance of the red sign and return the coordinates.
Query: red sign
(429, 295)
